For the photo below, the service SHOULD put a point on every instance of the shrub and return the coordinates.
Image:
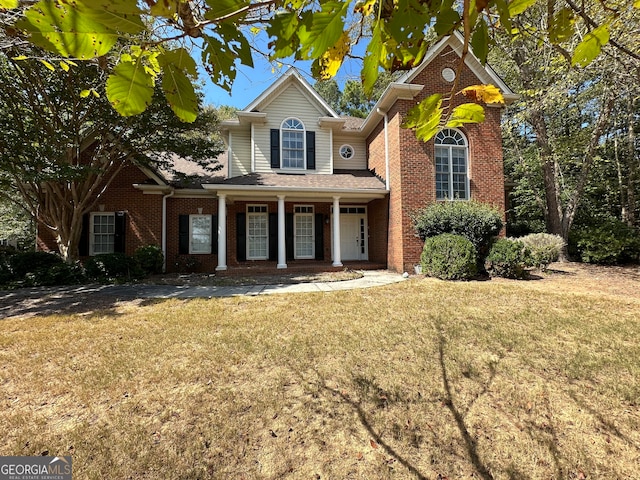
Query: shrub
(58, 274)
(110, 267)
(449, 257)
(187, 263)
(507, 258)
(28, 262)
(477, 222)
(609, 243)
(150, 259)
(544, 248)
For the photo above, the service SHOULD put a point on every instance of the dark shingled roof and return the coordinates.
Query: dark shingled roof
(340, 179)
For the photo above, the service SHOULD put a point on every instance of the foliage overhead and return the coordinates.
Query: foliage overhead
(168, 33)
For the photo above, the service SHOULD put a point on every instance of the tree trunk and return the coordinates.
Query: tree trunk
(633, 170)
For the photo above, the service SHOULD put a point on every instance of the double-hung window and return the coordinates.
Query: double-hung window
(102, 233)
(200, 234)
(452, 178)
(293, 147)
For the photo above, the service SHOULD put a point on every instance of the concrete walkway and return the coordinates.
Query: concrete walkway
(373, 278)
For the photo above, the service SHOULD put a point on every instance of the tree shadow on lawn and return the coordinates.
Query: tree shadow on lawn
(42, 301)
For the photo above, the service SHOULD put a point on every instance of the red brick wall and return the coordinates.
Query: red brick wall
(412, 175)
(378, 214)
(144, 212)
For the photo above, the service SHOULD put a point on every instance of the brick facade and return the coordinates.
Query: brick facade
(391, 237)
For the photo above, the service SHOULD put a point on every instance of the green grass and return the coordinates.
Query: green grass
(500, 379)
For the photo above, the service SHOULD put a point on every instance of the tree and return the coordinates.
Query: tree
(61, 144)
(397, 35)
(556, 135)
(16, 223)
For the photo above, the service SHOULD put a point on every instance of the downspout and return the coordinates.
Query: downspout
(386, 146)
(164, 229)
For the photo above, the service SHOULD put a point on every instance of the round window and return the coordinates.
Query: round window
(448, 74)
(346, 152)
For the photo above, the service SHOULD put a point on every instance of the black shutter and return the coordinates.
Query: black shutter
(183, 234)
(120, 230)
(273, 236)
(241, 237)
(275, 148)
(311, 150)
(83, 246)
(288, 235)
(214, 234)
(319, 234)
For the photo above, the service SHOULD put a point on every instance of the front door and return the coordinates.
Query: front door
(353, 236)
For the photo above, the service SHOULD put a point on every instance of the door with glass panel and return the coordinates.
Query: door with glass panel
(303, 232)
(257, 232)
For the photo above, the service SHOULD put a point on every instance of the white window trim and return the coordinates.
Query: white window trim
(313, 232)
(304, 145)
(353, 151)
(92, 215)
(191, 218)
(266, 215)
(451, 197)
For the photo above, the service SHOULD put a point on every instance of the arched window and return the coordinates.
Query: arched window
(292, 143)
(452, 178)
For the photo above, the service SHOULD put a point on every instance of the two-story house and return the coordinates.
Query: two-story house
(302, 185)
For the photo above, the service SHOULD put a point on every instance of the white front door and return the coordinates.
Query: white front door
(353, 236)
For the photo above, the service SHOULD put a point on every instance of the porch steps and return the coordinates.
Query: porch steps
(269, 268)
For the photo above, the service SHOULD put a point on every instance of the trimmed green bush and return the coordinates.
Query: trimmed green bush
(150, 259)
(449, 257)
(113, 267)
(28, 262)
(613, 242)
(544, 248)
(475, 221)
(508, 259)
(58, 274)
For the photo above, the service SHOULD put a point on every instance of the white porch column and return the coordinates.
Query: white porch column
(222, 231)
(337, 259)
(282, 251)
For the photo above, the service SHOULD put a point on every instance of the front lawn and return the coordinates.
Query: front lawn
(424, 379)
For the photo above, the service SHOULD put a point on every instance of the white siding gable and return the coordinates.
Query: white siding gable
(240, 163)
(359, 159)
(292, 102)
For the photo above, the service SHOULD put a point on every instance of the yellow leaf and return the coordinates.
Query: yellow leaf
(8, 4)
(365, 7)
(330, 61)
(73, 64)
(636, 3)
(95, 94)
(255, 30)
(48, 65)
(64, 66)
(19, 57)
(85, 93)
(483, 93)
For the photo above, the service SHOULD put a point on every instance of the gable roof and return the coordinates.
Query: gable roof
(485, 73)
(291, 76)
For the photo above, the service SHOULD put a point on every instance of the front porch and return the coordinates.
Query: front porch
(249, 268)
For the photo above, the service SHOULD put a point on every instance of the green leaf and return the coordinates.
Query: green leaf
(219, 62)
(128, 7)
(480, 41)
(64, 66)
(516, 7)
(180, 58)
(425, 117)
(179, 92)
(8, 4)
(130, 88)
(224, 8)
(590, 46)
(61, 28)
(561, 26)
(446, 21)
(121, 22)
(372, 60)
(503, 12)
(282, 28)
(466, 113)
(321, 30)
(85, 93)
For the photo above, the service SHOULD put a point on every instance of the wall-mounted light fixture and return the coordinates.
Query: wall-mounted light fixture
(199, 210)
(101, 207)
